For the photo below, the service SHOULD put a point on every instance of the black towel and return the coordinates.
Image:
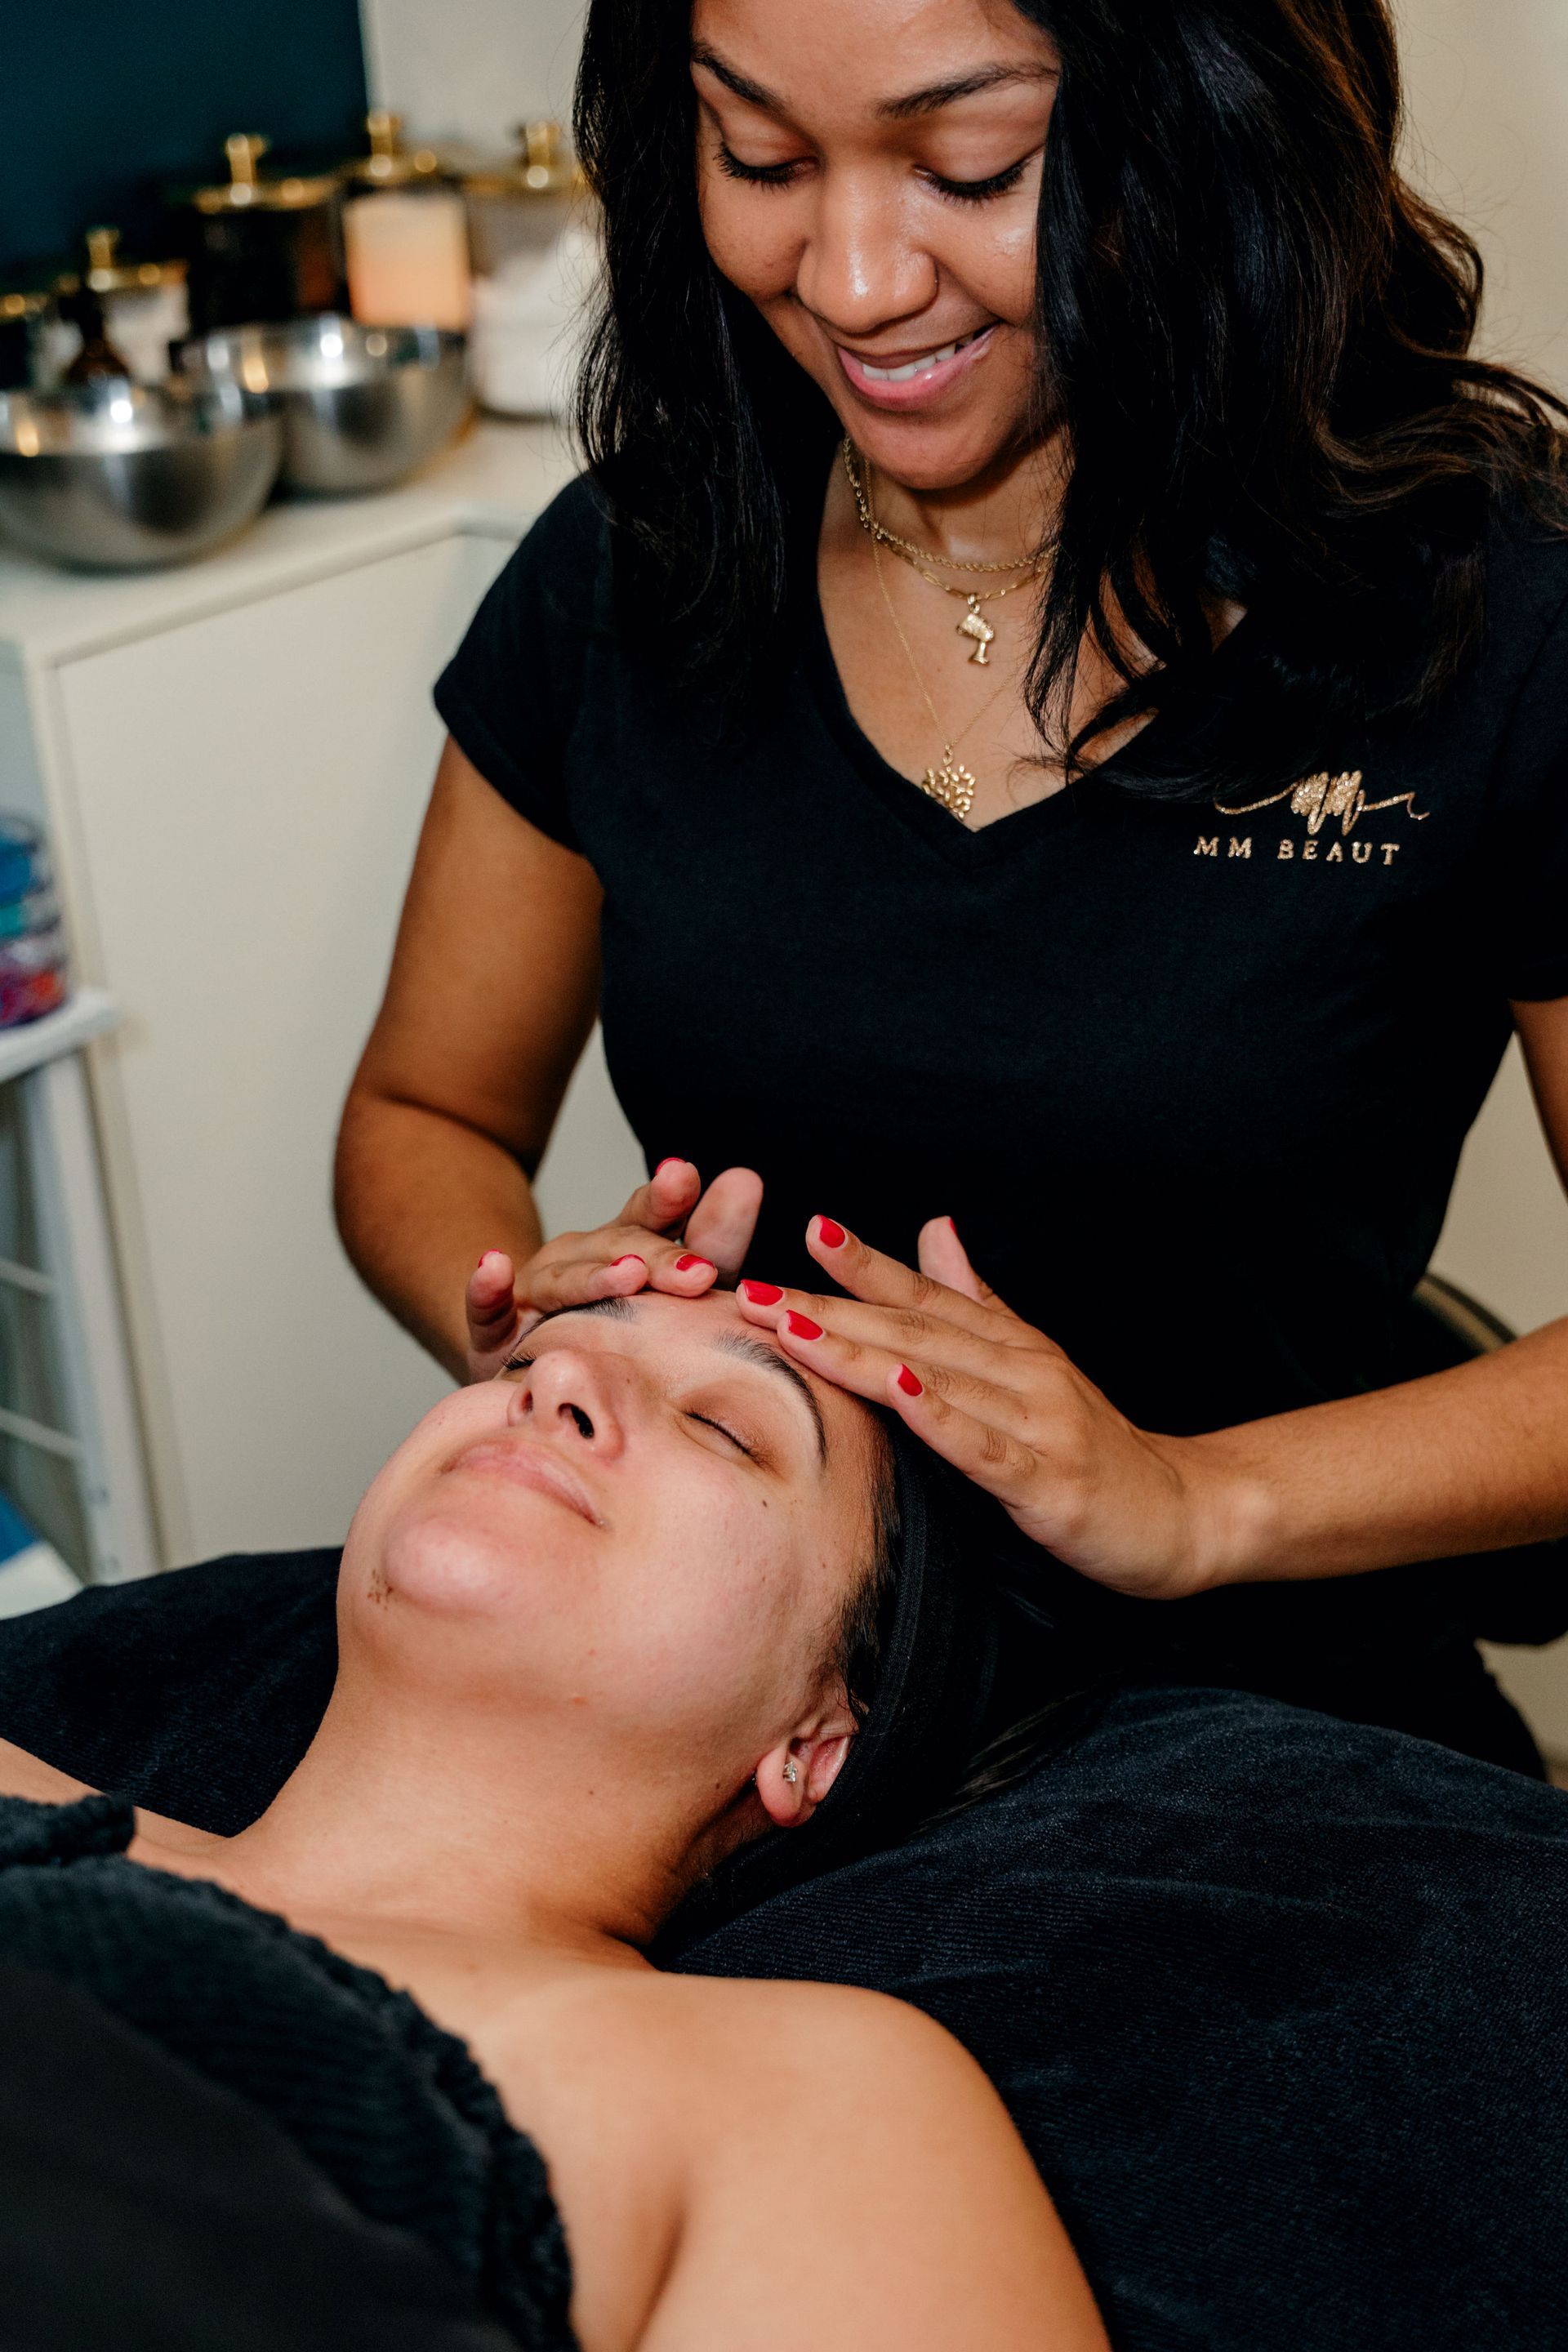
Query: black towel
(391, 2109)
(143, 2207)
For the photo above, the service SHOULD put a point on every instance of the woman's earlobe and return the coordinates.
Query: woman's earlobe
(792, 1778)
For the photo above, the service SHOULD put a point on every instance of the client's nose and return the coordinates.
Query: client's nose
(568, 1396)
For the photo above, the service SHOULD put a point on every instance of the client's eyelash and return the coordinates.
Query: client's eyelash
(520, 1363)
(739, 1444)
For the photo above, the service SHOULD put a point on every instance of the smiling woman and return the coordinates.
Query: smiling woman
(1047, 714)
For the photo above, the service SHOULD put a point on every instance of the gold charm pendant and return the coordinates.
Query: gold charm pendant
(975, 625)
(951, 785)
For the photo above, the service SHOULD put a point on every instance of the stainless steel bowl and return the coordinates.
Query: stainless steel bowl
(117, 476)
(363, 406)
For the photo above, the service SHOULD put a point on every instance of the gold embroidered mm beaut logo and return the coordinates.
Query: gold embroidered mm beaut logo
(1321, 800)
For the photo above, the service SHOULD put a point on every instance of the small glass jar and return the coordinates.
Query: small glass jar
(261, 250)
(518, 205)
(404, 236)
(142, 305)
(534, 237)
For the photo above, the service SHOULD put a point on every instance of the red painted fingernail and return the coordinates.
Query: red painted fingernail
(684, 1264)
(664, 1164)
(907, 1383)
(831, 1235)
(762, 1294)
(802, 1325)
(631, 1258)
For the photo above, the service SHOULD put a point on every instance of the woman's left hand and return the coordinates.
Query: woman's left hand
(1002, 1403)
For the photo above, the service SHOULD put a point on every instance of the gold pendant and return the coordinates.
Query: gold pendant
(975, 625)
(951, 785)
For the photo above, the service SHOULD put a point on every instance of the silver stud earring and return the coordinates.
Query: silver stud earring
(791, 1775)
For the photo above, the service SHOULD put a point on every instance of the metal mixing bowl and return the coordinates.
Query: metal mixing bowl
(363, 406)
(119, 477)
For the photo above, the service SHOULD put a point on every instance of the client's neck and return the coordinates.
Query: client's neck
(469, 1819)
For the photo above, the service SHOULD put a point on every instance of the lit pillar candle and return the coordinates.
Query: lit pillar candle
(408, 258)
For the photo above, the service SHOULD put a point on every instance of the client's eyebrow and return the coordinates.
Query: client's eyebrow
(768, 1360)
(746, 1350)
(617, 1309)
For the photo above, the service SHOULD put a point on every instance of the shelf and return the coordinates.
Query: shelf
(495, 478)
(91, 1014)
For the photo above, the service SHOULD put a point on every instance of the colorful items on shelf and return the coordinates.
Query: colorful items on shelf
(32, 1574)
(33, 977)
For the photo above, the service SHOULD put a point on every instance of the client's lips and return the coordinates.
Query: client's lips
(528, 1463)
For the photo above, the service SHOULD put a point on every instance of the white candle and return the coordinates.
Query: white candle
(408, 258)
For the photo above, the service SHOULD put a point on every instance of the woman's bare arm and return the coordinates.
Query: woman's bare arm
(492, 997)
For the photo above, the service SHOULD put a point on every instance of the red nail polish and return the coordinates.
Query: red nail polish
(684, 1264)
(907, 1383)
(631, 1258)
(762, 1294)
(664, 1164)
(802, 1325)
(831, 1235)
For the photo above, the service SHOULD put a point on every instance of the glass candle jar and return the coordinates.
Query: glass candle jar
(404, 236)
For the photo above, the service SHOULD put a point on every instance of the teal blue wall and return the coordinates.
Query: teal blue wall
(102, 102)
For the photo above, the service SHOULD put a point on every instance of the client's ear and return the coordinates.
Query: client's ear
(793, 1777)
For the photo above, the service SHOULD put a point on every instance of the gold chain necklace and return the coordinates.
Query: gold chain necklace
(973, 626)
(951, 784)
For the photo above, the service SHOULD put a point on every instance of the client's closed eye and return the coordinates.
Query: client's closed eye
(739, 1443)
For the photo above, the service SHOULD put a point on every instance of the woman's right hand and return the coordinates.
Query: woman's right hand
(672, 1235)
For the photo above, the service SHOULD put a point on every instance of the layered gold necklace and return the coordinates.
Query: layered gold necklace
(973, 626)
(949, 782)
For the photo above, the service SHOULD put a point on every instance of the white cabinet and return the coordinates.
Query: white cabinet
(234, 762)
(248, 791)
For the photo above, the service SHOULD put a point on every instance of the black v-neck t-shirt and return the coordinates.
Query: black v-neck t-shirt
(1193, 1080)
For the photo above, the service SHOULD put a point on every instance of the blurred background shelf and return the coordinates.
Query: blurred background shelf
(233, 760)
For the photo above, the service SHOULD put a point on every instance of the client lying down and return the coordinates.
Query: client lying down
(604, 1622)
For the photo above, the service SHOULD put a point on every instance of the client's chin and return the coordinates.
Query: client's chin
(443, 1564)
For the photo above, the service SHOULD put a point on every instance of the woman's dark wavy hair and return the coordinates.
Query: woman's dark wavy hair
(1254, 336)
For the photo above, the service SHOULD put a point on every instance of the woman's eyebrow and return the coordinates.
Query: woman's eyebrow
(742, 84)
(927, 100)
(768, 1360)
(938, 94)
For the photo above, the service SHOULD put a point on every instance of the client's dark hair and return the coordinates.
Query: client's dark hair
(1254, 336)
(1035, 1679)
(855, 1648)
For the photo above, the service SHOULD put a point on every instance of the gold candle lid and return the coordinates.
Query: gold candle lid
(245, 190)
(391, 164)
(544, 165)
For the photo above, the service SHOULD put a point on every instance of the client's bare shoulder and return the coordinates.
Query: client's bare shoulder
(835, 2148)
(22, 1775)
(166, 1844)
